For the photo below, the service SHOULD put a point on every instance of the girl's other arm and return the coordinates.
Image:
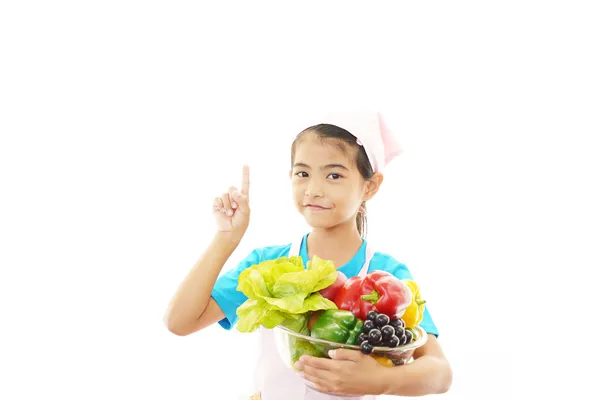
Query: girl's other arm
(351, 372)
(429, 373)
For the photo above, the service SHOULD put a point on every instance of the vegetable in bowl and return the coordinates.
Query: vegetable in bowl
(283, 292)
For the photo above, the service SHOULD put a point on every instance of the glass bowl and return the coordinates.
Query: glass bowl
(292, 345)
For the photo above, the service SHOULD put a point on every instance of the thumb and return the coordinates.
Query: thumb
(241, 200)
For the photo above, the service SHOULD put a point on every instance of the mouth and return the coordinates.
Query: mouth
(315, 207)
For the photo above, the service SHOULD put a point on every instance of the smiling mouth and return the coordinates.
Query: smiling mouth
(316, 208)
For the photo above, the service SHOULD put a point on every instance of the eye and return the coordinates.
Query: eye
(301, 174)
(335, 176)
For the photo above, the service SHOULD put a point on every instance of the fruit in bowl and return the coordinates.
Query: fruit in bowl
(337, 329)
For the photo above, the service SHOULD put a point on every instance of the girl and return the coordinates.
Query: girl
(336, 168)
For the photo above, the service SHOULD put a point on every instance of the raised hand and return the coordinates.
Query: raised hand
(232, 209)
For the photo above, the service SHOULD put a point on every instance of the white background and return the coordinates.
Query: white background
(120, 121)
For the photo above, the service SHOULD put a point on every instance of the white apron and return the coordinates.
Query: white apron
(276, 381)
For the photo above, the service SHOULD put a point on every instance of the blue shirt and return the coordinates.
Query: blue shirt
(229, 299)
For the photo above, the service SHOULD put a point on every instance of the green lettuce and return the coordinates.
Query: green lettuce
(282, 292)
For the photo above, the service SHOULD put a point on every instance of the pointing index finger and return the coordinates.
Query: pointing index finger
(246, 180)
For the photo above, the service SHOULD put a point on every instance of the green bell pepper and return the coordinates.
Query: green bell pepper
(337, 326)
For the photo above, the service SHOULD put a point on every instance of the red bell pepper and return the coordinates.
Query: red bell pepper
(331, 291)
(379, 290)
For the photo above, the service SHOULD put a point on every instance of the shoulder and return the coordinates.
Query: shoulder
(270, 252)
(386, 262)
(257, 256)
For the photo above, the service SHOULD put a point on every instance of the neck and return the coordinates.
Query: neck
(338, 239)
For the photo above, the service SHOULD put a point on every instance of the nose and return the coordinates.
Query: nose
(313, 189)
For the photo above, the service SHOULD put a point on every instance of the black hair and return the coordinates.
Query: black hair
(345, 140)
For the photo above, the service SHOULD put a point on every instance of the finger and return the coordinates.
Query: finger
(218, 204)
(245, 180)
(321, 385)
(324, 374)
(346, 354)
(241, 201)
(227, 204)
(320, 363)
(232, 197)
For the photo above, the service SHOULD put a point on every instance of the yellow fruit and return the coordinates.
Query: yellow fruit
(383, 360)
(413, 315)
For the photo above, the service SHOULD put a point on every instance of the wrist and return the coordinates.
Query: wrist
(388, 380)
(383, 380)
(228, 238)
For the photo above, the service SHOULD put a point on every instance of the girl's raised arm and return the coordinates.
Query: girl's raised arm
(192, 307)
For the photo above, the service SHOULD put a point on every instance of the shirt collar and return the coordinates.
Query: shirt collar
(351, 268)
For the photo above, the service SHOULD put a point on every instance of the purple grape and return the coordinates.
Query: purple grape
(366, 348)
(394, 341)
(368, 326)
(372, 315)
(382, 320)
(375, 337)
(387, 332)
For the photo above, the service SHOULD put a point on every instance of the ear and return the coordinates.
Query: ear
(372, 186)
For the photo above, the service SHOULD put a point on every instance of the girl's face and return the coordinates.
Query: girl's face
(327, 187)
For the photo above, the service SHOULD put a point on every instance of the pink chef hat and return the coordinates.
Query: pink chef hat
(371, 132)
